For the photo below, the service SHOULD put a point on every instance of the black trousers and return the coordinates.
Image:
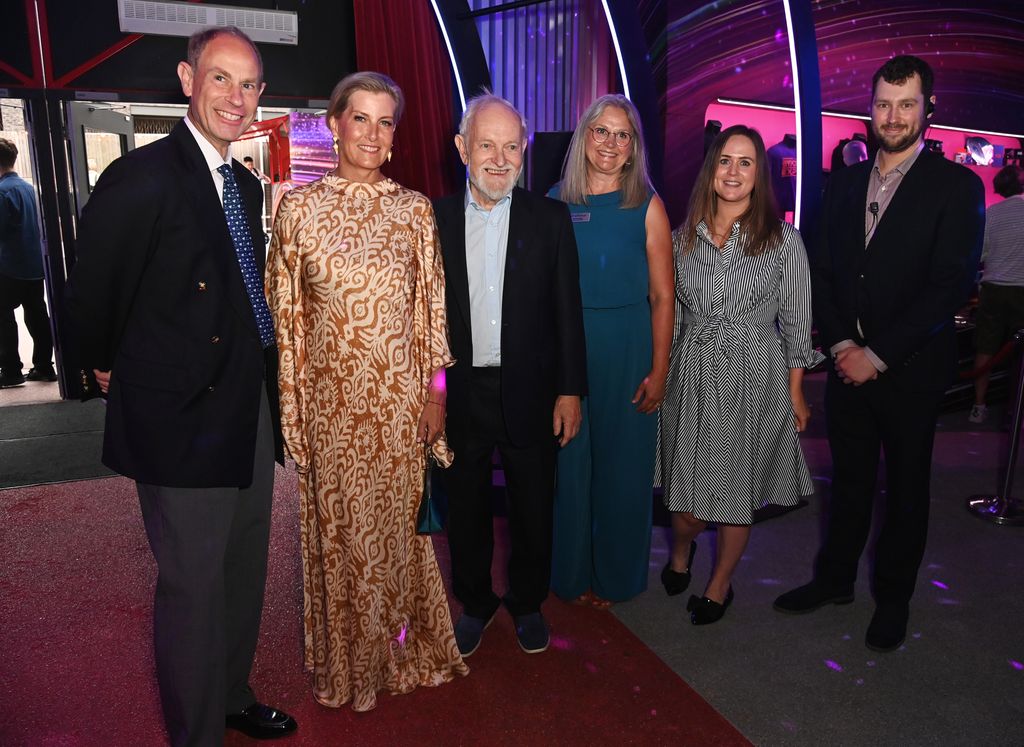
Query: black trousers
(529, 486)
(862, 423)
(28, 294)
(210, 546)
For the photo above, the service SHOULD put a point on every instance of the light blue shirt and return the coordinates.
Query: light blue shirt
(486, 242)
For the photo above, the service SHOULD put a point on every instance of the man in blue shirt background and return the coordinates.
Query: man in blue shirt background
(21, 276)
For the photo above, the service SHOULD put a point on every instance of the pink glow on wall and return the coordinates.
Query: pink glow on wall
(773, 124)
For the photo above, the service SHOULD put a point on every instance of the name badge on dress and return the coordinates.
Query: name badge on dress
(581, 217)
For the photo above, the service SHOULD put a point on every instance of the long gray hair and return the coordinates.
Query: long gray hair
(635, 181)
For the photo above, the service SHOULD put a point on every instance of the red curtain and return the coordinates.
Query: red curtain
(400, 38)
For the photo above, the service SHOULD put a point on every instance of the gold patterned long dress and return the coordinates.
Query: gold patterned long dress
(356, 287)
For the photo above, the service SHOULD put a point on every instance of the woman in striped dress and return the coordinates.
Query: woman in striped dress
(735, 402)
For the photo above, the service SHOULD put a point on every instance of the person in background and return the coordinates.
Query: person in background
(250, 164)
(513, 296)
(896, 259)
(1001, 301)
(735, 406)
(602, 524)
(357, 290)
(21, 276)
(166, 301)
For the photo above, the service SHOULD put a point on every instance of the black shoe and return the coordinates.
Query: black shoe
(673, 581)
(42, 374)
(262, 722)
(888, 627)
(10, 377)
(810, 597)
(704, 611)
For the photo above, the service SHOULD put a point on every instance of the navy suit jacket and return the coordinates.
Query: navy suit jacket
(543, 352)
(156, 296)
(910, 280)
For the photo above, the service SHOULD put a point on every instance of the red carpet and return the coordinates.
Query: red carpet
(76, 580)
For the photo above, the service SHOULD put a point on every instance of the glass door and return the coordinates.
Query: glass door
(98, 134)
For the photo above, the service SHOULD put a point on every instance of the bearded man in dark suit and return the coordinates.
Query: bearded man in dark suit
(516, 326)
(896, 259)
(167, 302)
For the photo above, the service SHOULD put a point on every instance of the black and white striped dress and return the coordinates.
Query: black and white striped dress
(728, 439)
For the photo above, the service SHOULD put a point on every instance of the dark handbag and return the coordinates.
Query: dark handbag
(428, 521)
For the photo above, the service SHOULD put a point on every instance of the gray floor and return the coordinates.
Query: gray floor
(51, 442)
(810, 680)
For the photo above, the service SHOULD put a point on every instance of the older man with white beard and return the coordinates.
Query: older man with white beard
(516, 327)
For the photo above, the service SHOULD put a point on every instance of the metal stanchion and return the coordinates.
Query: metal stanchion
(1002, 508)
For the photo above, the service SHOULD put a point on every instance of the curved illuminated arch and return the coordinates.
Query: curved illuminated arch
(797, 111)
(451, 53)
(618, 50)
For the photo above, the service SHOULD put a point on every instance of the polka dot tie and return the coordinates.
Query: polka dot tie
(238, 225)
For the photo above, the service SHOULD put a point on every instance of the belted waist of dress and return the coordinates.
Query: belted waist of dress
(724, 333)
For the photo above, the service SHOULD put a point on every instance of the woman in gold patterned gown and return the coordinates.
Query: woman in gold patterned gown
(356, 287)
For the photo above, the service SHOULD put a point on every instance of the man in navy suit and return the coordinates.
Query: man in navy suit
(516, 326)
(897, 257)
(167, 301)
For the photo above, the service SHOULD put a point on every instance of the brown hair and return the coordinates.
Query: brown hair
(364, 81)
(8, 154)
(634, 181)
(759, 222)
(1009, 181)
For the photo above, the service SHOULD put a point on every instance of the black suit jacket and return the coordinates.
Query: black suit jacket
(156, 296)
(543, 352)
(913, 276)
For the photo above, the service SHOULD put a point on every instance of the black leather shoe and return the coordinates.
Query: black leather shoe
(42, 374)
(888, 627)
(810, 597)
(262, 722)
(704, 611)
(675, 582)
(9, 377)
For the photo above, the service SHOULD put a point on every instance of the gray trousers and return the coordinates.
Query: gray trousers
(210, 546)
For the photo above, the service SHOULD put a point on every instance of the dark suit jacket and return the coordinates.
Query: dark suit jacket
(911, 279)
(543, 352)
(156, 296)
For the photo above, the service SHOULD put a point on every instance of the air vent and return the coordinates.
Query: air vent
(184, 19)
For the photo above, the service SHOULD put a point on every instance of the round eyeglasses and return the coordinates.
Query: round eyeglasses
(600, 134)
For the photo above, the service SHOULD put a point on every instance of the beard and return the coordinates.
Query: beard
(497, 190)
(898, 142)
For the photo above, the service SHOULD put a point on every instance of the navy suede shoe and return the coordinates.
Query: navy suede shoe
(532, 632)
(469, 630)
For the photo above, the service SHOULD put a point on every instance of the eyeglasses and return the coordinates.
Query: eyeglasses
(622, 138)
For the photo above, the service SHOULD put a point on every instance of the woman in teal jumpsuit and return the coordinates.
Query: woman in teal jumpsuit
(602, 526)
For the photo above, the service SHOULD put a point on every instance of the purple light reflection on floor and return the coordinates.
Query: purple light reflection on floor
(833, 665)
(1016, 665)
(940, 585)
(590, 667)
(949, 602)
(561, 643)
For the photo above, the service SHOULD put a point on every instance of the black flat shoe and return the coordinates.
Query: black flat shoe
(888, 628)
(262, 722)
(704, 611)
(673, 581)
